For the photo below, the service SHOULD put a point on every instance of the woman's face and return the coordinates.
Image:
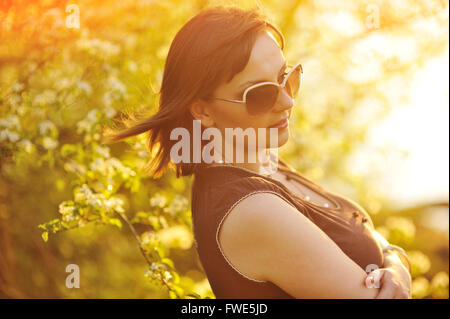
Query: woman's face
(266, 64)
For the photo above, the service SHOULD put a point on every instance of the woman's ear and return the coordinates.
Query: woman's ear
(201, 111)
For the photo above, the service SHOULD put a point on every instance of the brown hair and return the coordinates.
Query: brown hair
(210, 48)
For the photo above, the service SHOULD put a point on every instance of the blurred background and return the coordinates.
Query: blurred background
(371, 123)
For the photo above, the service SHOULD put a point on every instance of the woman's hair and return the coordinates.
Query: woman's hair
(207, 51)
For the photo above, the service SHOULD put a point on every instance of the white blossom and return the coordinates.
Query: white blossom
(9, 135)
(103, 151)
(116, 85)
(46, 97)
(11, 122)
(17, 87)
(46, 126)
(110, 112)
(98, 47)
(107, 99)
(85, 86)
(26, 145)
(49, 143)
(83, 194)
(132, 66)
(68, 217)
(95, 200)
(92, 115)
(114, 204)
(84, 126)
(63, 84)
(65, 209)
(158, 200)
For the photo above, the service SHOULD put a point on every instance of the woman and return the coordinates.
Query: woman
(258, 234)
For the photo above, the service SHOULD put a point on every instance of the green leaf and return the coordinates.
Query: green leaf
(172, 295)
(68, 149)
(116, 222)
(168, 262)
(45, 236)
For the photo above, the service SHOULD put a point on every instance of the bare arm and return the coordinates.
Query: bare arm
(268, 239)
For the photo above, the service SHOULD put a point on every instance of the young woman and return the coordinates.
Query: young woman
(258, 234)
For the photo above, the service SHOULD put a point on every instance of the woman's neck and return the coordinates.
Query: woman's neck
(261, 163)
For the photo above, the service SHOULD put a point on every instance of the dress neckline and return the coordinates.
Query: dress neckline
(300, 179)
(292, 174)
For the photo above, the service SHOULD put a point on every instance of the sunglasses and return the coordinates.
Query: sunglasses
(261, 97)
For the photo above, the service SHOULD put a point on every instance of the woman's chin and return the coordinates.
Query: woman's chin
(283, 137)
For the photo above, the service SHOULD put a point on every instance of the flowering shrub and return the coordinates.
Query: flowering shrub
(60, 86)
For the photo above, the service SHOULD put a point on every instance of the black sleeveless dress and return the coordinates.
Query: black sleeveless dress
(217, 189)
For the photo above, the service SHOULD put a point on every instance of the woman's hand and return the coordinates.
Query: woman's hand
(394, 279)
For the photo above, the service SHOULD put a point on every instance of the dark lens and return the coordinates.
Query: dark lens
(293, 82)
(261, 98)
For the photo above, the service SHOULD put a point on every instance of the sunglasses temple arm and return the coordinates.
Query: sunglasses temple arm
(227, 100)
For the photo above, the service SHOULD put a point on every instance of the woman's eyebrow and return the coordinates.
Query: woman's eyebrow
(262, 80)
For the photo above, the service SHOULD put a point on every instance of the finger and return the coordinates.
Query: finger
(401, 295)
(387, 291)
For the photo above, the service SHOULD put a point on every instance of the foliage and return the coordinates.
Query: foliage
(59, 87)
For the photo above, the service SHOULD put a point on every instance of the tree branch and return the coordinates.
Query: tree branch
(136, 236)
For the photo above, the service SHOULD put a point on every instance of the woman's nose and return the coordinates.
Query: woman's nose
(284, 101)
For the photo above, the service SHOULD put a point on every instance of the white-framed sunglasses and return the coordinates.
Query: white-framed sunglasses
(261, 97)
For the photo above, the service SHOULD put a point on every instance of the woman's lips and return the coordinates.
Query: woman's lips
(281, 124)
